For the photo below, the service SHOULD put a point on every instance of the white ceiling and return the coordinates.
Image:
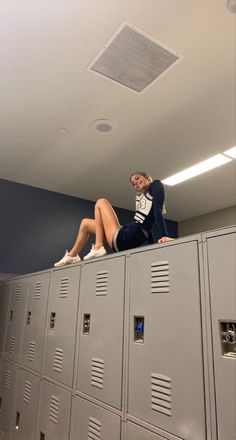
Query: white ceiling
(184, 117)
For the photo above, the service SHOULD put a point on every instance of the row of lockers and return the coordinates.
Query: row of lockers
(146, 359)
(45, 411)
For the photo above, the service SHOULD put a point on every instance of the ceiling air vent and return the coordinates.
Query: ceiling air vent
(133, 59)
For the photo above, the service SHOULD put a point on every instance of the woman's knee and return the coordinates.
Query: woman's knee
(84, 224)
(101, 202)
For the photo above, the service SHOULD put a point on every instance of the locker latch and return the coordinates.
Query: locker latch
(28, 318)
(42, 436)
(11, 315)
(17, 421)
(139, 329)
(228, 338)
(0, 404)
(52, 320)
(86, 324)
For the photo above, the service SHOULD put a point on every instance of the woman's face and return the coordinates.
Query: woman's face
(139, 182)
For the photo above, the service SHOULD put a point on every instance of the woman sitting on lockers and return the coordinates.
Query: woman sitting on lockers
(105, 225)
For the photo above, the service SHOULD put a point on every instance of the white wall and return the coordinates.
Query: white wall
(214, 220)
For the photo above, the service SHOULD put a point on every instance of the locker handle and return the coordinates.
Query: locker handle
(42, 436)
(11, 315)
(17, 421)
(86, 323)
(52, 320)
(139, 329)
(28, 318)
(0, 404)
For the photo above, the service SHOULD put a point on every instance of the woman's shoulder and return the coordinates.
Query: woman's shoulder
(154, 185)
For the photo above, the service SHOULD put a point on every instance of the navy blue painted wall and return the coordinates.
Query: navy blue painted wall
(37, 226)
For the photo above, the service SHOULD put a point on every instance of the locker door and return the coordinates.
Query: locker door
(61, 325)
(35, 321)
(7, 398)
(26, 406)
(135, 432)
(15, 320)
(4, 300)
(222, 282)
(101, 330)
(92, 422)
(165, 347)
(54, 413)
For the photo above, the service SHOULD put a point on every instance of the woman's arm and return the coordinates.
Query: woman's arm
(158, 193)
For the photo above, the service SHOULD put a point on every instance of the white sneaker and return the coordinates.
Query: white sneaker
(94, 253)
(67, 259)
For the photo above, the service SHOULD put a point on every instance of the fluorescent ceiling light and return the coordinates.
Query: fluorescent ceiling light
(197, 169)
(231, 152)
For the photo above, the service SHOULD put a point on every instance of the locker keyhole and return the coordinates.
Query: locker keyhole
(11, 315)
(42, 436)
(28, 318)
(86, 324)
(52, 320)
(139, 329)
(17, 421)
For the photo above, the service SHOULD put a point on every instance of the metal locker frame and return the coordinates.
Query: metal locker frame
(137, 432)
(5, 287)
(16, 318)
(26, 406)
(36, 313)
(59, 352)
(219, 250)
(159, 412)
(8, 392)
(91, 421)
(100, 330)
(54, 412)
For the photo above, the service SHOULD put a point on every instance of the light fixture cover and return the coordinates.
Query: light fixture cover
(231, 152)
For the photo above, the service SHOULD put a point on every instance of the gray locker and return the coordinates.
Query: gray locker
(34, 330)
(89, 421)
(101, 313)
(15, 319)
(165, 378)
(221, 251)
(4, 300)
(61, 325)
(8, 387)
(135, 432)
(54, 413)
(26, 406)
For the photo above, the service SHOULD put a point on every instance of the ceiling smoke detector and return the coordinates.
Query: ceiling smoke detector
(103, 125)
(133, 59)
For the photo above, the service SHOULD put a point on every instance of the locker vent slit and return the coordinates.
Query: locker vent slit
(94, 429)
(160, 277)
(161, 395)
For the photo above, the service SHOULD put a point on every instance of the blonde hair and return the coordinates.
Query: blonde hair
(148, 177)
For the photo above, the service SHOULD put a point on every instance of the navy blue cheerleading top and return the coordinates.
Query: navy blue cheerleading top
(149, 207)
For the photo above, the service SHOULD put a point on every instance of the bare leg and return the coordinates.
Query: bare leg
(106, 222)
(87, 227)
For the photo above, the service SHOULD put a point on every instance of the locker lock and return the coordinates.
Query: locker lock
(139, 329)
(228, 338)
(28, 318)
(17, 421)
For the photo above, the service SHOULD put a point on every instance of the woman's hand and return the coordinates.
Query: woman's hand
(164, 239)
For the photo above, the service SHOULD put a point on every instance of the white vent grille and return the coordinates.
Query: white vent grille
(97, 373)
(101, 283)
(58, 360)
(37, 290)
(161, 400)
(8, 379)
(133, 59)
(54, 409)
(27, 392)
(160, 277)
(18, 292)
(64, 287)
(12, 345)
(31, 351)
(94, 429)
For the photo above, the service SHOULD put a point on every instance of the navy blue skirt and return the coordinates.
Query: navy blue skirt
(128, 236)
